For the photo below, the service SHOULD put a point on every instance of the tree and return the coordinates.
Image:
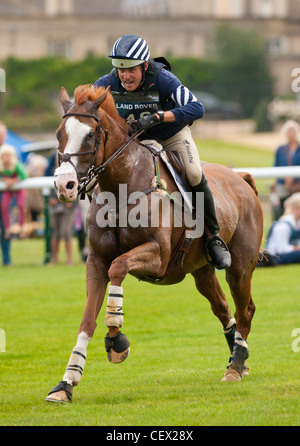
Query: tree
(242, 70)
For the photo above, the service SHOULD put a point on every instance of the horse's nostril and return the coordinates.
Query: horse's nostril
(70, 185)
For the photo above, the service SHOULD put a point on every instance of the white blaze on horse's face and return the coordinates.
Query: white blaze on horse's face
(66, 181)
(76, 132)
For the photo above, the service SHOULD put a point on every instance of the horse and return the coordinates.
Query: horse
(96, 153)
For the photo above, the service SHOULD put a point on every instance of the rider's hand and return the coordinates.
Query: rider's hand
(144, 123)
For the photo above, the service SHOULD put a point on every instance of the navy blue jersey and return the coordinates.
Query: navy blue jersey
(172, 95)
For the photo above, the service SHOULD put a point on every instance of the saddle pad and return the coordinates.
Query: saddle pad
(186, 194)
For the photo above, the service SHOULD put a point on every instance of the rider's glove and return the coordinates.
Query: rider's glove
(145, 123)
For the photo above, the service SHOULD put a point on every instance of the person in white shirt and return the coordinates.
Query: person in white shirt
(284, 237)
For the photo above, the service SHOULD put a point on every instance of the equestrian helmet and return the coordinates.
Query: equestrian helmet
(129, 51)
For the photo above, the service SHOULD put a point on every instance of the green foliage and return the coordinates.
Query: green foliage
(263, 123)
(33, 88)
(238, 72)
(242, 71)
(196, 74)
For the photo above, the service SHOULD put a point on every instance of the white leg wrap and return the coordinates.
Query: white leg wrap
(228, 327)
(77, 360)
(239, 340)
(114, 310)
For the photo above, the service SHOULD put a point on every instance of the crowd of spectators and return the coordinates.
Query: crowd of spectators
(22, 211)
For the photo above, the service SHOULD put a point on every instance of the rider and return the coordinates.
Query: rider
(146, 92)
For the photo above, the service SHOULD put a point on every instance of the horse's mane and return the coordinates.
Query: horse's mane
(89, 92)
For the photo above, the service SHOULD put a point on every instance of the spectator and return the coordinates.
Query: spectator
(62, 220)
(35, 200)
(283, 244)
(5, 244)
(80, 227)
(52, 164)
(11, 171)
(286, 155)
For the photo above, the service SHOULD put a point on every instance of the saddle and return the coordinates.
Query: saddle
(173, 161)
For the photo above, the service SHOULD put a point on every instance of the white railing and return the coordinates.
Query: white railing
(257, 172)
(272, 172)
(43, 183)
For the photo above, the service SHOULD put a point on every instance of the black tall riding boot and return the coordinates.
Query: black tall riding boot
(217, 248)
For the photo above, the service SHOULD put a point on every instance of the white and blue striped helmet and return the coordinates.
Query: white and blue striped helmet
(129, 51)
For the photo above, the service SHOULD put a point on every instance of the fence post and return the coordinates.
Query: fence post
(47, 235)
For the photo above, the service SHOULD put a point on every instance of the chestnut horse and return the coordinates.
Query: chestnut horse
(93, 149)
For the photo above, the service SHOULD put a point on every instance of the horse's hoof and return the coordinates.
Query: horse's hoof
(231, 375)
(62, 393)
(246, 370)
(116, 357)
(117, 347)
(58, 397)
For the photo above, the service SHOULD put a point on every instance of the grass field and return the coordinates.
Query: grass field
(178, 351)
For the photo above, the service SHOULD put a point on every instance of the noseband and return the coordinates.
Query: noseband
(93, 171)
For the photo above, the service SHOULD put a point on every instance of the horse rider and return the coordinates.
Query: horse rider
(147, 93)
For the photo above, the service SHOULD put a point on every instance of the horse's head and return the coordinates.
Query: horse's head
(79, 137)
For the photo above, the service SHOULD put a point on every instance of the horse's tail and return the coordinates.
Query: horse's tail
(249, 179)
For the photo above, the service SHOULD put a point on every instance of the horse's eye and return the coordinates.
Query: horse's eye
(90, 135)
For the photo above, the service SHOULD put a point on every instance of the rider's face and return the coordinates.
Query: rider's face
(131, 78)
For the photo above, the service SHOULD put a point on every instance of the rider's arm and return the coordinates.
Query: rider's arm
(187, 107)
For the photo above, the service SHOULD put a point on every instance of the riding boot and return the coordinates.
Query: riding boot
(216, 247)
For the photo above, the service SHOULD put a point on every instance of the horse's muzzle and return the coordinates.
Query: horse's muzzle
(67, 187)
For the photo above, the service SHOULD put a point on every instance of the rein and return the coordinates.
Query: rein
(93, 171)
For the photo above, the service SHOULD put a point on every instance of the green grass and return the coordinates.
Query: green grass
(233, 155)
(178, 352)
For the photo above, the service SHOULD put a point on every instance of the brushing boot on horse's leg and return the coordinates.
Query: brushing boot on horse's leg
(146, 259)
(63, 392)
(116, 343)
(96, 282)
(216, 247)
(229, 332)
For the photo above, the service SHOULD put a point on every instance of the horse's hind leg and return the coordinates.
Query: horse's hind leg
(209, 286)
(240, 286)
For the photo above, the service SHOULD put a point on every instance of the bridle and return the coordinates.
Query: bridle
(93, 171)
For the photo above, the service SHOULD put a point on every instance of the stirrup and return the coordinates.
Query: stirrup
(221, 243)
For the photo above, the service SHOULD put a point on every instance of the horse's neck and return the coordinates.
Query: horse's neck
(122, 168)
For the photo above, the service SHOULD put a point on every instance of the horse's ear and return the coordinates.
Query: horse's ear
(65, 99)
(94, 105)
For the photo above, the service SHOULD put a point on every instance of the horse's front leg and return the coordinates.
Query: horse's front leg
(96, 283)
(144, 259)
